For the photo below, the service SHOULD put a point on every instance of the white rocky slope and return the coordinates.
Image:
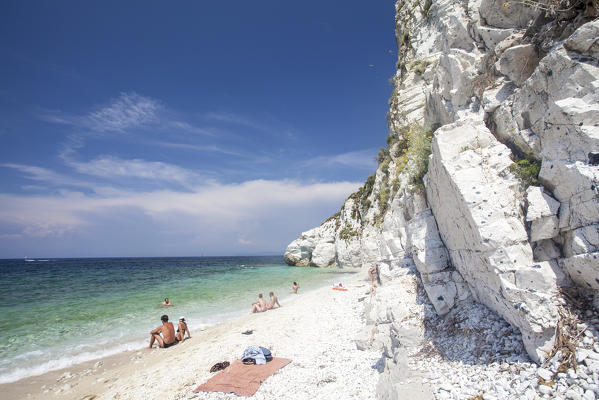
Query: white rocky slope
(504, 88)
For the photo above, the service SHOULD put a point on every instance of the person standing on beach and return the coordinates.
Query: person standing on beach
(294, 288)
(373, 272)
(168, 334)
(259, 306)
(166, 303)
(273, 300)
(181, 329)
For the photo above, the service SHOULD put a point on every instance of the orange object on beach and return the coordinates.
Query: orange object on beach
(339, 287)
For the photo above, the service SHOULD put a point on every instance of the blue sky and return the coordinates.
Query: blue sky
(147, 128)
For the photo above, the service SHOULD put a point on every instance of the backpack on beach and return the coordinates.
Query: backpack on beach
(256, 355)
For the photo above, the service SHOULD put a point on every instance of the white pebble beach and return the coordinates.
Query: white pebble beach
(316, 330)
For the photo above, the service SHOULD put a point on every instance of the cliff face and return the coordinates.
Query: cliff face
(489, 183)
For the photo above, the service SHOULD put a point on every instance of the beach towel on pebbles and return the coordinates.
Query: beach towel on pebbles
(242, 379)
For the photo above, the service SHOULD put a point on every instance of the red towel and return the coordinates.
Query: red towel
(241, 379)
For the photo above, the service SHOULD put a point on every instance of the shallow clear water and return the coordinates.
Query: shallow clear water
(59, 312)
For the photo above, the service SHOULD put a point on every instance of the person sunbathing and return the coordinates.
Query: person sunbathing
(273, 300)
(167, 330)
(181, 329)
(294, 288)
(259, 306)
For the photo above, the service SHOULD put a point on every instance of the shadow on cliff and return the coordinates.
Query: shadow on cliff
(470, 333)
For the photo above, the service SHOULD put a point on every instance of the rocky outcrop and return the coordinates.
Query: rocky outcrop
(475, 200)
(504, 97)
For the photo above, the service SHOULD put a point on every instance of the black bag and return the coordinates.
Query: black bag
(267, 353)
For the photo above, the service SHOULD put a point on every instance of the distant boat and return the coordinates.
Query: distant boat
(29, 259)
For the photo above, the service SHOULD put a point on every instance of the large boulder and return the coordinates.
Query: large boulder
(475, 201)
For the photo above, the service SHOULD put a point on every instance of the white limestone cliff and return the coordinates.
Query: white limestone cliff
(506, 93)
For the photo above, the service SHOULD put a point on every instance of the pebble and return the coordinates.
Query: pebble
(545, 374)
(588, 395)
(573, 395)
(66, 387)
(544, 389)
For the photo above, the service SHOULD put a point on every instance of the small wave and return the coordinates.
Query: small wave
(63, 362)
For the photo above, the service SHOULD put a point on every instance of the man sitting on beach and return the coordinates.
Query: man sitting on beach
(168, 334)
(259, 306)
(273, 301)
(181, 329)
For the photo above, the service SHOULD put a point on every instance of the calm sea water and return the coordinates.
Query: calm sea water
(59, 312)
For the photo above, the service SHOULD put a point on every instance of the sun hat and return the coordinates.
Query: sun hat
(181, 318)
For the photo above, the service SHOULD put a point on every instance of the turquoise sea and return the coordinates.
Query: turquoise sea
(59, 312)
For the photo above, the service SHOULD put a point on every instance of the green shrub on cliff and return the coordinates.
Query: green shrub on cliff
(527, 171)
(413, 152)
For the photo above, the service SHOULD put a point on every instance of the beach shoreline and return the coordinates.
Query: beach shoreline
(176, 371)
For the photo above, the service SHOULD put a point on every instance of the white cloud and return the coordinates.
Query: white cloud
(195, 147)
(357, 159)
(45, 176)
(187, 127)
(128, 111)
(218, 209)
(234, 119)
(111, 167)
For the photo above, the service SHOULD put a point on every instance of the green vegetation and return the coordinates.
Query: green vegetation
(347, 233)
(426, 8)
(409, 149)
(334, 216)
(413, 151)
(418, 66)
(527, 171)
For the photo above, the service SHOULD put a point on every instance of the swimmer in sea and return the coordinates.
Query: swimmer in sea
(168, 334)
(273, 300)
(166, 303)
(294, 288)
(259, 306)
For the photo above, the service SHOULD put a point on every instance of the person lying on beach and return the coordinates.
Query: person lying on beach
(294, 288)
(181, 329)
(273, 300)
(166, 303)
(259, 306)
(168, 334)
